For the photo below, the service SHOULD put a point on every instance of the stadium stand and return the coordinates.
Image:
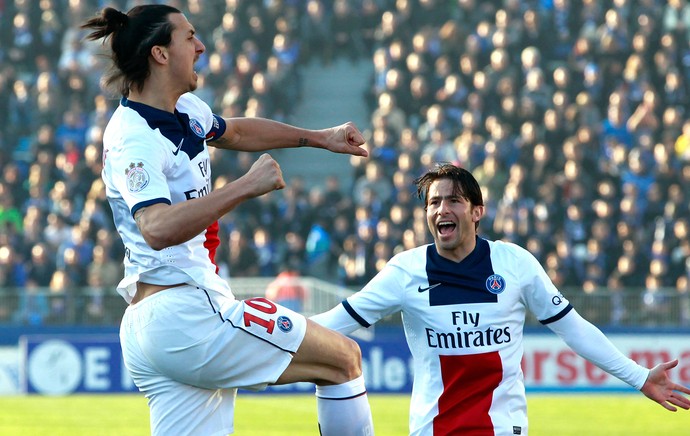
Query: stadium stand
(572, 114)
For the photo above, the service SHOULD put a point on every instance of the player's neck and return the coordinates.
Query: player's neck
(155, 96)
(459, 250)
(457, 254)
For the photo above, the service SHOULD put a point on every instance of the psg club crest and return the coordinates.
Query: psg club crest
(284, 323)
(495, 284)
(196, 128)
(137, 177)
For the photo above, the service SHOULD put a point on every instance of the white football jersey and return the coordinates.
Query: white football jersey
(152, 156)
(464, 326)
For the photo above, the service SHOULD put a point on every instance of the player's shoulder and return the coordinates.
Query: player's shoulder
(125, 126)
(508, 249)
(190, 103)
(410, 258)
(513, 257)
(128, 134)
(126, 119)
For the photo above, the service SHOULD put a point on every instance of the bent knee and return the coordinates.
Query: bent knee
(351, 364)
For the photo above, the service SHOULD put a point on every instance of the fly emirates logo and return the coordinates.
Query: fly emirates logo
(204, 167)
(467, 333)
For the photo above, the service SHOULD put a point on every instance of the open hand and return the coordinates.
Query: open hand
(660, 388)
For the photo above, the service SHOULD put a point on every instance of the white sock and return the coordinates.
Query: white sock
(343, 410)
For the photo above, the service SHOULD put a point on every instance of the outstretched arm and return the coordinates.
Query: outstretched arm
(261, 134)
(589, 342)
(660, 388)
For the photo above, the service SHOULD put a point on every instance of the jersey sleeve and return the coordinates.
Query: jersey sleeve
(214, 125)
(218, 126)
(337, 319)
(541, 296)
(382, 296)
(590, 343)
(137, 171)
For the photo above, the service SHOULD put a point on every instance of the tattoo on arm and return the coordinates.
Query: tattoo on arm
(137, 217)
(220, 143)
(303, 142)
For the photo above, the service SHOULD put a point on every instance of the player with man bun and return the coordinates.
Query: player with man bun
(187, 342)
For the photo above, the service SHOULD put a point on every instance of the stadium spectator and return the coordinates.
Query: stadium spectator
(288, 289)
(293, 251)
(345, 30)
(60, 297)
(33, 306)
(13, 270)
(41, 267)
(373, 186)
(11, 220)
(315, 32)
(353, 265)
(683, 289)
(318, 243)
(243, 260)
(103, 272)
(266, 250)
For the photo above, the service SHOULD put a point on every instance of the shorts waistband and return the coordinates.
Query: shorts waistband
(184, 287)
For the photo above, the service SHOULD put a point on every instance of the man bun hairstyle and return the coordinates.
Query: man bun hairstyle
(131, 37)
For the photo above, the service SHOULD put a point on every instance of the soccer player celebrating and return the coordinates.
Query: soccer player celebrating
(187, 342)
(463, 301)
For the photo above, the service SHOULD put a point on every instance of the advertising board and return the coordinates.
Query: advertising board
(64, 364)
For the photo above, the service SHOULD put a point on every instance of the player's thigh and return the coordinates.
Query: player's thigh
(180, 409)
(325, 357)
(249, 353)
(206, 340)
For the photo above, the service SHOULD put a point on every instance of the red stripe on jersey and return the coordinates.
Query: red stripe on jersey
(468, 386)
(212, 242)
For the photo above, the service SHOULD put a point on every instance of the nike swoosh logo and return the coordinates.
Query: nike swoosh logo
(420, 289)
(179, 146)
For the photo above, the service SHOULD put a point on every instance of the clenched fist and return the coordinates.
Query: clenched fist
(264, 176)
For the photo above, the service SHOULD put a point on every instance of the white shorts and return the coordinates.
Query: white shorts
(189, 349)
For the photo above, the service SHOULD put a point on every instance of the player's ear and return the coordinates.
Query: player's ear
(477, 213)
(159, 54)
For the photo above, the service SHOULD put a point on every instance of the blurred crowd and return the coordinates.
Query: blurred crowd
(572, 114)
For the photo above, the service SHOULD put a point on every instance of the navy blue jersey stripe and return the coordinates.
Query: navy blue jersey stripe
(218, 129)
(193, 144)
(175, 127)
(149, 203)
(559, 315)
(355, 315)
(461, 282)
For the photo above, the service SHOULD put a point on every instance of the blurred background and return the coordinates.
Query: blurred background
(572, 114)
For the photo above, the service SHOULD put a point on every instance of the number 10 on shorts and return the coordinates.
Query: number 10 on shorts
(263, 308)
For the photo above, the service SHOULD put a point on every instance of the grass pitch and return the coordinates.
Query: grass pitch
(295, 415)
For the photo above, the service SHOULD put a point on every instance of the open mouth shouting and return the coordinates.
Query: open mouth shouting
(445, 227)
